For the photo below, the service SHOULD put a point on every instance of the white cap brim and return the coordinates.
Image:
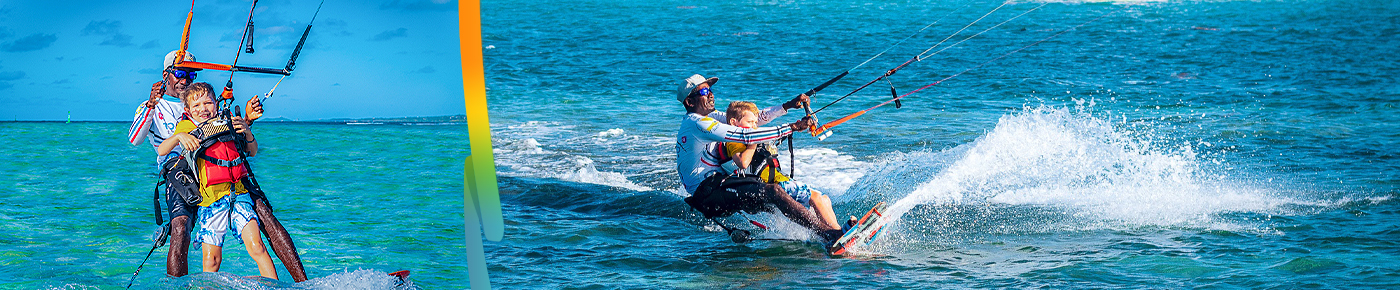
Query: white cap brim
(689, 84)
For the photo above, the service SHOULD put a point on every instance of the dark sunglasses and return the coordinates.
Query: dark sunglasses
(701, 92)
(180, 74)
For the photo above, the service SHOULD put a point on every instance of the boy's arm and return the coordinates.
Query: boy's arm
(721, 132)
(742, 158)
(733, 151)
(179, 139)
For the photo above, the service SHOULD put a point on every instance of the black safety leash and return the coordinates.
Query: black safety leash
(737, 235)
(159, 242)
(161, 235)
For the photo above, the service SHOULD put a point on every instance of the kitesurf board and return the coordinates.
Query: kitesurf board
(402, 275)
(863, 233)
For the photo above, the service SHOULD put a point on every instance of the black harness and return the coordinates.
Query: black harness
(765, 155)
(179, 174)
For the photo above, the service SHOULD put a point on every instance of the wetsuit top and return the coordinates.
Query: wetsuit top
(220, 188)
(156, 124)
(699, 139)
(732, 148)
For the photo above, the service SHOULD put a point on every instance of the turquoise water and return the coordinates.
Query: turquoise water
(359, 201)
(1222, 144)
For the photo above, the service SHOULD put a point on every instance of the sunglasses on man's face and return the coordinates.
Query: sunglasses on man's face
(180, 74)
(701, 92)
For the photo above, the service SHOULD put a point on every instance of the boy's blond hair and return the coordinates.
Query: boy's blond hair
(737, 108)
(197, 90)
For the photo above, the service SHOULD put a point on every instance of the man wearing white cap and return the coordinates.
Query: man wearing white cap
(716, 193)
(156, 117)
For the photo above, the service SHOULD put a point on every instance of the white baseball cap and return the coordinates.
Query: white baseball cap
(690, 83)
(170, 59)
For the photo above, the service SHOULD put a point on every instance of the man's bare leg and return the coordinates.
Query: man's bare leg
(176, 262)
(280, 241)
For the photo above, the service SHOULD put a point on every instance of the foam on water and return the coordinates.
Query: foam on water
(1077, 163)
(519, 153)
(526, 158)
(357, 279)
(827, 170)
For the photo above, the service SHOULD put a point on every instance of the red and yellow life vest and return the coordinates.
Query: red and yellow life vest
(222, 163)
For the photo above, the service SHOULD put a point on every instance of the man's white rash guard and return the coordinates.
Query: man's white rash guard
(700, 137)
(156, 124)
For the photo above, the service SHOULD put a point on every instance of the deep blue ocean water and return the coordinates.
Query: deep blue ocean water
(1171, 144)
(1213, 144)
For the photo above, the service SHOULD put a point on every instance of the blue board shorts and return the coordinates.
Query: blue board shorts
(178, 207)
(799, 191)
(215, 220)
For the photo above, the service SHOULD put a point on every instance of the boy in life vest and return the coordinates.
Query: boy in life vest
(220, 168)
(745, 115)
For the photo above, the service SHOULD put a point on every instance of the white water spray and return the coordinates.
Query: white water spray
(1073, 163)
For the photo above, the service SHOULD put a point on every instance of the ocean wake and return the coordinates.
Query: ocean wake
(1083, 168)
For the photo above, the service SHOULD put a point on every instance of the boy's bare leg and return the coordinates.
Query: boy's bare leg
(822, 205)
(256, 250)
(280, 240)
(794, 210)
(213, 256)
(177, 261)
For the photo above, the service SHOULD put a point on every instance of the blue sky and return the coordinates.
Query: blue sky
(98, 59)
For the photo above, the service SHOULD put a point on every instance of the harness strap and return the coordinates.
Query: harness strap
(772, 169)
(206, 142)
(221, 162)
(155, 202)
(792, 159)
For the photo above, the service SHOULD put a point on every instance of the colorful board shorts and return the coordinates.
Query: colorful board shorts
(799, 191)
(215, 220)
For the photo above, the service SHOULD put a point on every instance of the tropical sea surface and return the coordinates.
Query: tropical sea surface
(359, 201)
(1171, 144)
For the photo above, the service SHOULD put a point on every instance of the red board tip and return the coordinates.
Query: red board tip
(401, 274)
